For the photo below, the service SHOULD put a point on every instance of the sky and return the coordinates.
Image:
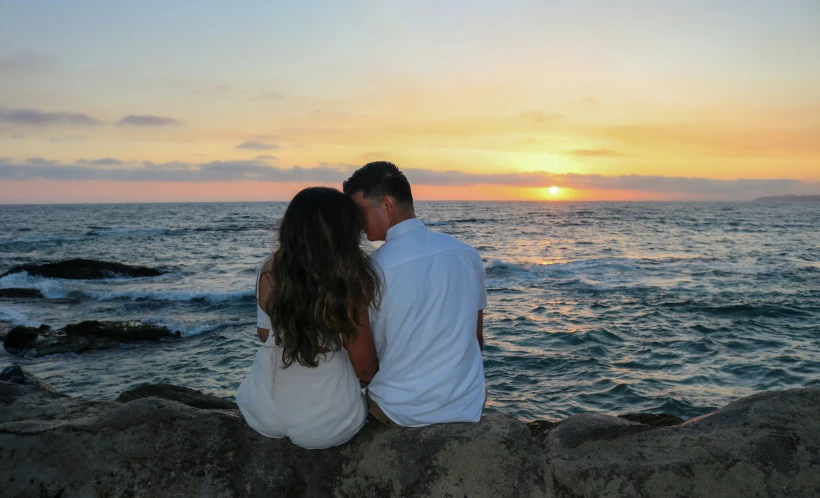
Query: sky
(164, 101)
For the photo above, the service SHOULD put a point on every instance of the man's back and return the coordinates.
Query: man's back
(431, 369)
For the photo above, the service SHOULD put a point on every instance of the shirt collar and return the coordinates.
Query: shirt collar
(403, 227)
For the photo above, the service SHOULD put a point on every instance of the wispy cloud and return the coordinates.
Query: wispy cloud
(259, 170)
(27, 116)
(211, 90)
(271, 95)
(147, 120)
(105, 161)
(593, 152)
(266, 157)
(24, 62)
(538, 116)
(257, 146)
(588, 100)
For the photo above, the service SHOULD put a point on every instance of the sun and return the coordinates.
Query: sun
(553, 190)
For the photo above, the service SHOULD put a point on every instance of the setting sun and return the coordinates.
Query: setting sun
(553, 190)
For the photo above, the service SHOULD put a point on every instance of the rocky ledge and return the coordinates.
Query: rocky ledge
(80, 337)
(54, 445)
(85, 269)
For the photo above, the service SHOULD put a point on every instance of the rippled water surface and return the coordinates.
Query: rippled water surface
(606, 307)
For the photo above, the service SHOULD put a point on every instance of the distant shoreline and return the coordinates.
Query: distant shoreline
(789, 198)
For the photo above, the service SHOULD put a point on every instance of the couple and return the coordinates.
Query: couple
(406, 322)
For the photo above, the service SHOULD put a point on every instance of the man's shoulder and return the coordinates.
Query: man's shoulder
(446, 242)
(424, 244)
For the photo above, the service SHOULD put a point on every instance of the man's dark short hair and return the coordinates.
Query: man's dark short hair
(378, 179)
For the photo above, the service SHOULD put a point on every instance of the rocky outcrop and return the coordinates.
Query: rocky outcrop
(19, 339)
(184, 395)
(83, 336)
(85, 269)
(764, 445)
(18, 293)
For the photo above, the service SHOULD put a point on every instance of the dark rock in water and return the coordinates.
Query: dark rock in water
(120, 331)
(14, 374)
(83, 336)
(19, 339)
(85, 269)
(653, 419)
(764, 445)
(184, 395)
(15, 292)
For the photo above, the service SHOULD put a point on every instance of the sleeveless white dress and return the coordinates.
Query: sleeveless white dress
(315, 407)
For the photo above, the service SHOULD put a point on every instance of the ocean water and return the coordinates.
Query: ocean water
(602, 307)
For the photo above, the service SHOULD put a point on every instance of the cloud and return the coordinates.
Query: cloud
(107, 161)
(537, 116)
(271, 95)
(147, 120)
(593, 153)
(24, 62)
(325, 173)
(588, 100)
(372, 156)
(222, 171)
(257, 146)
(27, 116)
(210, 90)
(266, 157)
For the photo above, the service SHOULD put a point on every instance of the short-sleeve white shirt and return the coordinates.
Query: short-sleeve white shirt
(430, 365)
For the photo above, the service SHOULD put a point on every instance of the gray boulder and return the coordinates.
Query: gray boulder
(184, 395)
(50, 444)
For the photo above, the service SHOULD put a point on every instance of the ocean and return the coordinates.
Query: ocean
(603, 307)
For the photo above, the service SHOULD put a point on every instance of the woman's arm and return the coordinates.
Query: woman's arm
(263, 292)
(262, 333)
(362, 351)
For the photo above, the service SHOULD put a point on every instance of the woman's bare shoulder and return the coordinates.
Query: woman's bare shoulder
(265, 280)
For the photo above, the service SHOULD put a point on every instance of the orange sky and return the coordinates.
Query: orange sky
(610, 102)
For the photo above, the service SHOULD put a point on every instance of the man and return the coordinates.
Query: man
(428, 330)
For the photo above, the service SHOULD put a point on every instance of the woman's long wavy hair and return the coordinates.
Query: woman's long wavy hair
(321, 280)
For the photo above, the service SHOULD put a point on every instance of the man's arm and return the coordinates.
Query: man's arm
(479, 329)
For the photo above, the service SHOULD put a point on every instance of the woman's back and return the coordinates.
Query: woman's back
(316, 407)
(313, 294)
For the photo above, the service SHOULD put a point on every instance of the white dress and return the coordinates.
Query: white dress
(315, 407)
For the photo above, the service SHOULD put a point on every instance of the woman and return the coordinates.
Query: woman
(313, 296)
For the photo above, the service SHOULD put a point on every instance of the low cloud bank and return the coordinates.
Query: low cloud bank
(334, 174)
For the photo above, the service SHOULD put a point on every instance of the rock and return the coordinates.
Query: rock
(16, 292)
(119, 331)
(20, 339)
(587, 427)
(653, 419)
(13, 374)
(157, 447)
(85, 269)
(184, 395)
(764, 445)
(84, 336)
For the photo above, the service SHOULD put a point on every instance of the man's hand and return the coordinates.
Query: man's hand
(479, 329)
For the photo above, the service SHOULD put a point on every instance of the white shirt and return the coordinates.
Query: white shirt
(430, 365)
(315, 407)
